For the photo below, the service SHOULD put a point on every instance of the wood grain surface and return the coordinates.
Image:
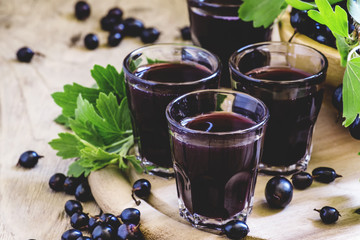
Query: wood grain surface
(30, 210)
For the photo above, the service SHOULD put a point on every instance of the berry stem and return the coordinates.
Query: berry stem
(137, 202)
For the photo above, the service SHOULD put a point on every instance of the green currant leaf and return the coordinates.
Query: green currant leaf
(351, 91)
(262, 13)
(68, 144)
(301, 5)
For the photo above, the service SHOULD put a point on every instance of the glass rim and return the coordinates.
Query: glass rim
(317, 75)
(261, 123)
(214, 5)
(126, 65)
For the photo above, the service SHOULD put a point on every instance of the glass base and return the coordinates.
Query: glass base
(152, 169)
(285, 170)
(213, 225)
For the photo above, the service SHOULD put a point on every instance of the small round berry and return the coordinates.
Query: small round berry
(354, 128)
(79, 220)
(129, 231)
(107, 23)
(119, 28)
(83, 238)
(133, 27)
(302, 180)
(110, 219)
(25, 54)
(70, 185)
(142, 188)
(324, 174)
(93, 222)
(185, 33)
(337, 98)
(29, 159)
(149, 35)
(236, 229)
(114, 39)
(72, 206)
(116, 13)
(103, 231)
(82, 10)
(328, 214)
(83, 192)
(130, 215)
(91, 41)
(278, 192)
(71, 234)
(56, 182)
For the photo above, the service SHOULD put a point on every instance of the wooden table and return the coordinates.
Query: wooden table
(30, 210)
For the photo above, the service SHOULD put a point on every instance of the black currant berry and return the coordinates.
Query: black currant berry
(337, 98)
(103, 231)
(129, 232)
(91, 41)
(82, 10)
(328, 214)
(354, 128)
(79, 220)
(83, 192)
(70, 185)
(24, 54)
(133, 27)
(107, 23)
(83, 238)
(236, 229)
(142, 188)
(72, 206)
(93, 222)
(71, 234)
(301, 180)
(118, 28)
(110, 219)
(130, 215)
(28, 159)
(149, 35)
(324, 174)
(56, 182)
(114, 39)
(278, 192)
(185, 33)
(116, 13)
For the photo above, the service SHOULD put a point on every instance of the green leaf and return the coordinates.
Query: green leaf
(336, 21)
(301, 5)
(68, 145)
(261, 12)
(354, 9)
(76, 170)
(61, 119)
(351, 91)
(86, 131)
(109, 80)
(67, 99)
(124, 118)
(135, 163)
(343, 49)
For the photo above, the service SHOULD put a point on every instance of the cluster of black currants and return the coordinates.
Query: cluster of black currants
(117, 27)
(302, 23)
(79, 187)
(105, 226)
(337, 102)
(279, 190)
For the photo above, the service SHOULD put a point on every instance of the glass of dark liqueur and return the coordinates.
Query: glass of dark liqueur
(215, 26)
(155, 75)
(289, 78)
(216, 141)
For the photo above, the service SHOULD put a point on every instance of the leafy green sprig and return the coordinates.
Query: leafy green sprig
(100, 122)
(263, 13)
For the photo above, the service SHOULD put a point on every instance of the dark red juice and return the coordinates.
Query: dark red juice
(215, 26)
(148, 104)
(214, 176)
(293, 114)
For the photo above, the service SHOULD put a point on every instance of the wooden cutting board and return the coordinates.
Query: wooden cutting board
(333, 147)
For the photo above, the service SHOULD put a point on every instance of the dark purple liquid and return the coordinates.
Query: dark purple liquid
(148, 104)
(219, 30)
(292, 117)
(214, 178)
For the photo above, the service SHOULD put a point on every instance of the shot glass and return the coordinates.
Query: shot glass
(215, 26)
(216, 141)
(289, 79)
(155, 75)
